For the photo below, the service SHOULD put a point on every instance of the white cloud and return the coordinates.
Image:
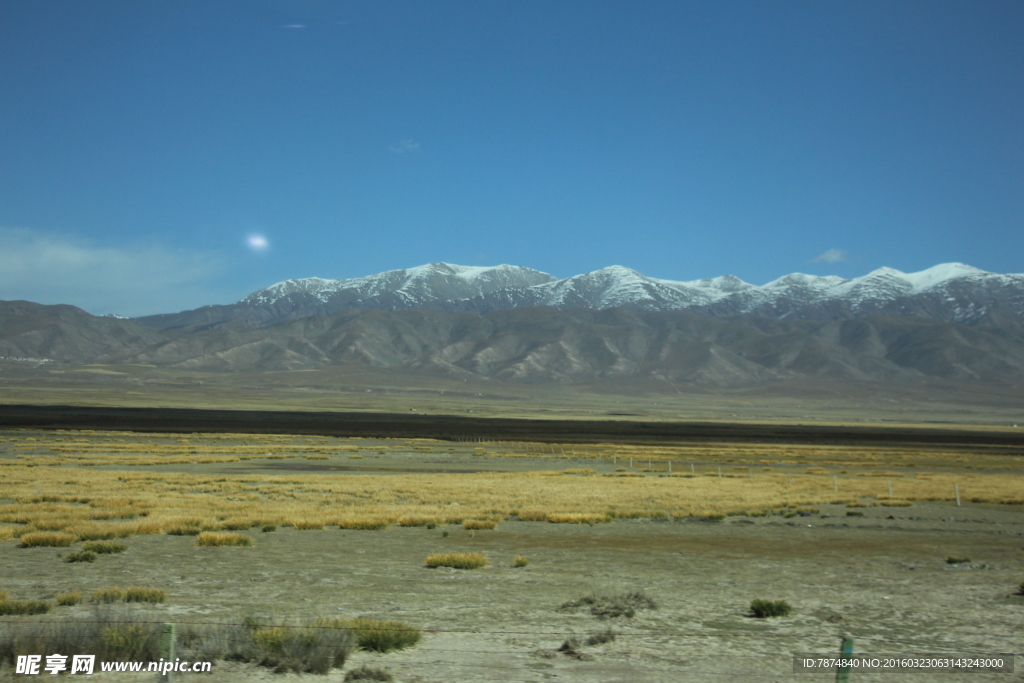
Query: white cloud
(405, 146)
(128, 280)
(831, 256)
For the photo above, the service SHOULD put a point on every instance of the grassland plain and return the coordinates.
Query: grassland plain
(354, 519)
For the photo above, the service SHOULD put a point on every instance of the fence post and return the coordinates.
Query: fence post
(845, 652)
(693, 470)
(835, 483)
(956, 489)
(888, 482)
(670, 467)
(167, 647)
(719, 471)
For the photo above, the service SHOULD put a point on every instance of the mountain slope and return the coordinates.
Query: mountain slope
(547, 344)
(65, 333)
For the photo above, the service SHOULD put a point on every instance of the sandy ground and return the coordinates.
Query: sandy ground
(883, 580)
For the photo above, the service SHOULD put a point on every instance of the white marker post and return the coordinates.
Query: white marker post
(956, 489)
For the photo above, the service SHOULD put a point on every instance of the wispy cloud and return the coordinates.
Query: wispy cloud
(128, 280)
(405, 147)
(831, 256)
(294, 26)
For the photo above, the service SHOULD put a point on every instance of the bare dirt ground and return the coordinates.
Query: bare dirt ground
(882, 578)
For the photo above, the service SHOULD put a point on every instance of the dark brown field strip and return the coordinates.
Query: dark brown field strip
(460, 428)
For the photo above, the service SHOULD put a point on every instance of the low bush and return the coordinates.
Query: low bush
(300, 648)
(267, 528)
(68, 599)
(213, 538)
(104, 547)
(957, 560)
(1020, 588)
(377, 635)
(366, 673)
(80, 556)
(762, 609)
(19, 607)
(601, 638)
(308, 525)
(520, 561)
(182, 529)
(108, 634)
(144, 594)
(611, 606)
(457, 560)
(478, 524)
(46, 539)
(106, 595)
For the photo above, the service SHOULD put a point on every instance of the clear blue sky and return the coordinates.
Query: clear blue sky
(143, 143)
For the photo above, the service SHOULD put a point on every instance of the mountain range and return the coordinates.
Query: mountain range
(951, 322)
(950, 292)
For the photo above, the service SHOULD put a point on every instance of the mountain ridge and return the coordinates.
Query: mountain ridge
(950, 292)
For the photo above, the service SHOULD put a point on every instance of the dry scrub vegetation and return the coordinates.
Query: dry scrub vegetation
(53, 492)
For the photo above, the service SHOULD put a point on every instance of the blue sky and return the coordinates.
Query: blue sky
(143, 143)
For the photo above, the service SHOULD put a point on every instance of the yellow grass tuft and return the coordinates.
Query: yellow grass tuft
(68, 599)
(363, 523)
(457, 560)
(144, 594)
(577, 518)
(213, 538)
(478, 524)
(47, 539)
(104, 595)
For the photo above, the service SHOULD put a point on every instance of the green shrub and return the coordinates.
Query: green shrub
(144, 594)
(68, 599)
(46, 539)
(80, 556)
(520, 561)
(366, 673)
(957, 560)
(104, 547)
(377, 635)
(762, 609)
(457, 560)
(611, 606)
(213, 538)
(266, 528)
(17, 607)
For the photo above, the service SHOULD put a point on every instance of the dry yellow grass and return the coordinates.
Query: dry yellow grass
(457, 560)
(213, 538)
(94, 504)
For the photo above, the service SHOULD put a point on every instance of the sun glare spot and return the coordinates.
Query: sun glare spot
(257, 242)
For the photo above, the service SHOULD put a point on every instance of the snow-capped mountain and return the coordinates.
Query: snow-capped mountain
(950, 292)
